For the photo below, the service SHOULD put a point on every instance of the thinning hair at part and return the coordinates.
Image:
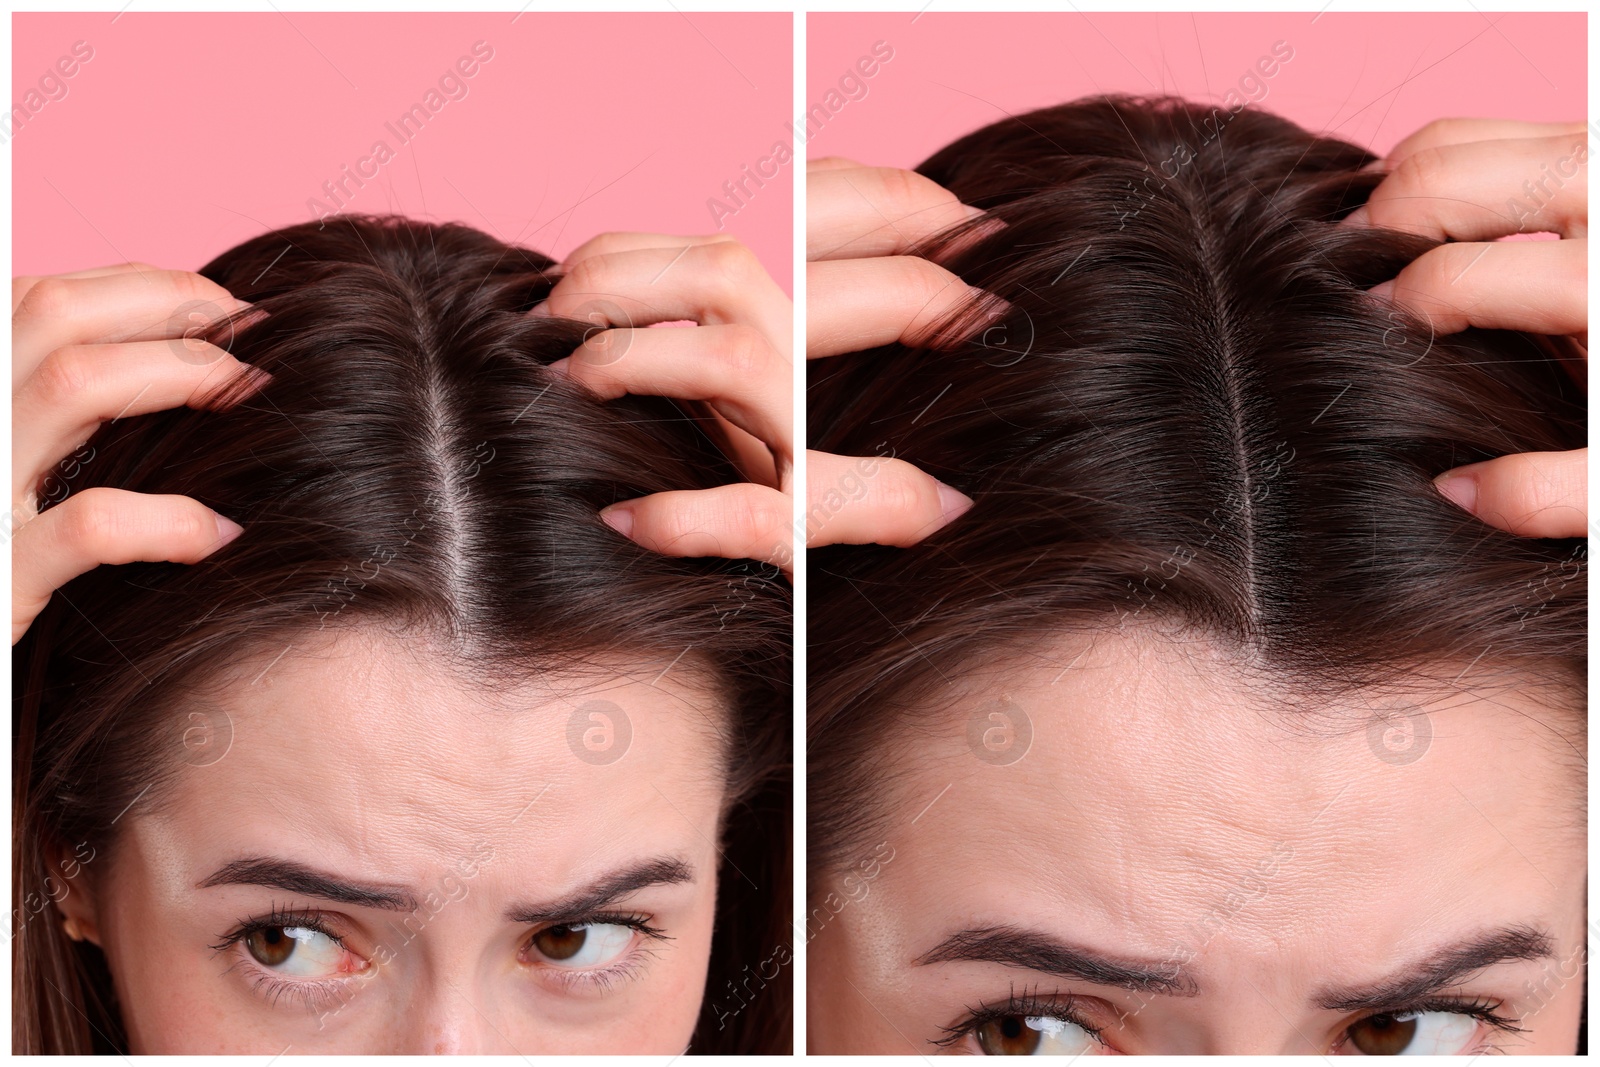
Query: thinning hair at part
(413, 468)
(1192, 415)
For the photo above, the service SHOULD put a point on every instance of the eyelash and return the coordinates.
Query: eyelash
(318, 993)
(1061, 1007)
(604, 979)
(304, 917)
(1025, 1003)
(314, 993)
(1484, 1010)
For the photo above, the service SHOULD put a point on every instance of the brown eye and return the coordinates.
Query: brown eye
(1035, 1035)
(1384, 1035)
(561, 942)
(270, 945)
(1009, 1035)
(580, 945)
(301, 951)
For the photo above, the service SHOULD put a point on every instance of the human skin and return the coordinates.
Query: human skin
(111, 342)
(864, 289)
(1470, 182)
(1170, 811)
(87, 348)
(737, 357)
(366, 757)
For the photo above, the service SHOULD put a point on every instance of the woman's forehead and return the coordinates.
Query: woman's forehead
(372, 748)
(1145, 788)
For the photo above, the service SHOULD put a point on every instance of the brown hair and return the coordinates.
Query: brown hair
(1192, 411)
(410, 463)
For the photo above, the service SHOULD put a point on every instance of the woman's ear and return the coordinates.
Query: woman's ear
(69, 887)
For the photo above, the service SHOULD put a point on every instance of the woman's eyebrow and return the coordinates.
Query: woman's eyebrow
(1446, 967)
(1041, 952)
(298, 878)
(605, 890)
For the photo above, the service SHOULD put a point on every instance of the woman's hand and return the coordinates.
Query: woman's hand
(863, 291)
(1471, 181)
(738, 358)
(89, 348)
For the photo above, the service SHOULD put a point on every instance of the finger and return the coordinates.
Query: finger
(856, 304)
(853, 500)
(75, 389)
(125, 306)
(103, 525)
(1485, 189)
(1534, 494)
(752, 456)
(833, 163)
(1443, 132)
(607, 244)
(742, 521)
(1536, 286)
(875, 211)
(712, 284)
(21, 285)
(733, 366)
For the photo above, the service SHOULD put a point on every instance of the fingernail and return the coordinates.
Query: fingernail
(620, 518)
(990, 225)
(952, 502)
(228, 392)
(1383, 290)
(1460, 488)
(245, 316)
(540, 310)
(561, 367)
(991, 307)
(250, 381)
(1357, 218)
(227, 530)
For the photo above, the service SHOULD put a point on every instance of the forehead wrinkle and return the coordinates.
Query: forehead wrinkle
(1163, 831)
(386, 774)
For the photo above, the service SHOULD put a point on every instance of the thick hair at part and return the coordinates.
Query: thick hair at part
(410, 464)
(1192, 412)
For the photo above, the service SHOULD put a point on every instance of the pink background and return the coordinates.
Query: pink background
(1371, 78)
(187, 133)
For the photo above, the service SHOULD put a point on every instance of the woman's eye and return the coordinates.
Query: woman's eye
(297, 950)
(1034, 1035)
(578, 945)
(1420, 1033)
